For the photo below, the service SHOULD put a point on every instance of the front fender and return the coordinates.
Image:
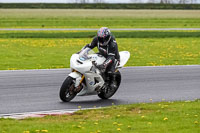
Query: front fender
(77, 76)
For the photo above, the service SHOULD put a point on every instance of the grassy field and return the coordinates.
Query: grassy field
(76, 18)
(166, 117)
(42, 53)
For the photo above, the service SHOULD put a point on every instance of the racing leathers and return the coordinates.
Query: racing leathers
(110, 52)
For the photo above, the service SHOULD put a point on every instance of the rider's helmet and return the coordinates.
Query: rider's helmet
(104, 36)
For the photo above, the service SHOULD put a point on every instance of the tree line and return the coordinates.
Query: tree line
(142, 1)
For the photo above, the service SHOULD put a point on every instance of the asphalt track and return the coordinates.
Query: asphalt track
(94, 29)
(37, 90)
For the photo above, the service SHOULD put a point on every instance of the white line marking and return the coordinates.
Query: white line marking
(166, 66)
(41, 113)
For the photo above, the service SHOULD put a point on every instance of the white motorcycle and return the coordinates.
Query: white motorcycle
(87, 79)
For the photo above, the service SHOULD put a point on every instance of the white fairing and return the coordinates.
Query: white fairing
(82, 64)
(93, 81)
(82, 68)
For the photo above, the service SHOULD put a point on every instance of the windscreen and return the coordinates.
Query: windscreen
(83, 55)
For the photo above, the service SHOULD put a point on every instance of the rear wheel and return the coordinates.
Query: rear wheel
(110, 92)
(67, 90)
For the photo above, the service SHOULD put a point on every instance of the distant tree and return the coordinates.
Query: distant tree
(151, 1)
(136, 1)
(182, 1)
(166, 1)
(83, 1)
(187, 1)
(98, 1)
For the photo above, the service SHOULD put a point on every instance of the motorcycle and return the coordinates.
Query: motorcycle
(87, 79)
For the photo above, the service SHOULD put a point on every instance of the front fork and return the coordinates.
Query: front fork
(78, 80)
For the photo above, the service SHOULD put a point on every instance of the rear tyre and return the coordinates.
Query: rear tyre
(67, 90)
(111, 92)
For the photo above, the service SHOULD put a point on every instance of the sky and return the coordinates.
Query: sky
(75, 1)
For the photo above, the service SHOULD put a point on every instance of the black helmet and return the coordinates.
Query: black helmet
(104, 36)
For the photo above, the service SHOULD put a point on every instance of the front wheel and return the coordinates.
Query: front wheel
(111, 92)
(67, 90)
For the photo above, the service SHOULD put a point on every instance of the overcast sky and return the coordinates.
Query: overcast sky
(75, 1)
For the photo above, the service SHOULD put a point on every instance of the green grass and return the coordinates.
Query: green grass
(42, 53)
(96, 23)
(63, 18)
(166, 117)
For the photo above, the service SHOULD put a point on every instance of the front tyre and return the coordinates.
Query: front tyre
(111, 92)
(67, 90)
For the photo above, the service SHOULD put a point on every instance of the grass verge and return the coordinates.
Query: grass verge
(170, 117)
(43, 53)
(63, 18)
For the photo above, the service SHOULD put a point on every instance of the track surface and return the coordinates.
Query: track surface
(91, 29)
(37, 90)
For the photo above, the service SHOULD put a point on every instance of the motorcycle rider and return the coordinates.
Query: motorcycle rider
(107, 46)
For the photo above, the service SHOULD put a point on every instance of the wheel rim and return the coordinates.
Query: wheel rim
(109, 91)
(67, 93)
